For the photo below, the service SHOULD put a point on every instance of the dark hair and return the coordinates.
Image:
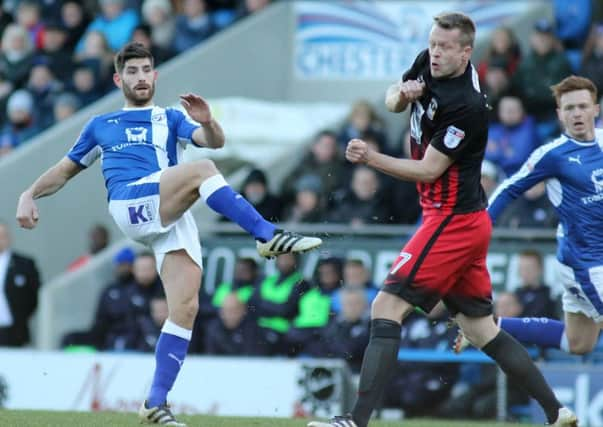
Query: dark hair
(131, 51)
(572, 83)
(452, 20)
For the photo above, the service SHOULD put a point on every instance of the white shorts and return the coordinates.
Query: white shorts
(139, 220)
(583, 290)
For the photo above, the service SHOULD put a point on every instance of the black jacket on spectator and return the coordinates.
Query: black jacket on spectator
(21, 288)
(245, 340)
(537, 302)
(343, 339)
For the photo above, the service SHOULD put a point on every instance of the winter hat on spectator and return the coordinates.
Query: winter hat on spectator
(126, 255)
(20, 100)
(68, 99)
(256, 175)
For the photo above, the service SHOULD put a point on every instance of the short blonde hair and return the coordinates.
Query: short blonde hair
(452, 20)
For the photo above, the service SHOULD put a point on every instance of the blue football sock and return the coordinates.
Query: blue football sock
(543, 332)
(170, 352)
(223, 199)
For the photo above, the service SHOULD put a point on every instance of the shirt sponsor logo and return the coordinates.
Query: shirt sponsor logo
(597, 179)
(142, 213)
(137, 134)
(453, 137)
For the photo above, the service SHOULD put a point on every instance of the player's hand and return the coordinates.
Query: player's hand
(357, 151)
(27, 211)
(412, 90)
(196, 107)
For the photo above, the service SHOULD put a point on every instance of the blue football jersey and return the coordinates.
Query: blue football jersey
(133, 143)
(573, 172)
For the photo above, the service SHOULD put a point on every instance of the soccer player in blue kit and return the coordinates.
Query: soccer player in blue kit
(150, 194)
(572, 167)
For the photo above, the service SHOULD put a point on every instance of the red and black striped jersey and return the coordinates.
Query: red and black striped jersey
(452, 117)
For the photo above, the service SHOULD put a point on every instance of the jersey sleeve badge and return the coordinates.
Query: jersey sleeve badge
(453, 137)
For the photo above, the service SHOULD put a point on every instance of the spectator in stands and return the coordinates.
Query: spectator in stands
(193, 26)
(403, 198)
(503, 50)
(323, 159)
(490, 178)
(245, 280)
(98, 239)
(84, 83)
(21, 124)
(158, 14)
(363, 118)
(573, 19)
(44, 88)
(513, 138)
(364, 203)
(532, 209)
(533, 294)
(544, 66)
(16, 55)
(116, 324)
(308, 205)
(65, 105)
(592, 57)
(142, 35)
(28, 16)
(255, 190)
(115, 22)
(97, 55)
(150, 324)
(347, 335)
(235, 331)
(275, 302)
(355, 276)
(55, 53)
(19, 286)
(417, 388)
(496, 84)
(75, 21)
(329, 274)
(6, 88)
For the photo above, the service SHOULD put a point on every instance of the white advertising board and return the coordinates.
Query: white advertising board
(119, 382)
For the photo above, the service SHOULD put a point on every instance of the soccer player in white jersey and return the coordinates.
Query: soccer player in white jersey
(150, 194)
(572, 167)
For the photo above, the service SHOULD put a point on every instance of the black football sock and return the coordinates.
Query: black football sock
(380, 358)
(515, 361)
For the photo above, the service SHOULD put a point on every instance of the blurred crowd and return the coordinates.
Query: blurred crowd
(56, 56)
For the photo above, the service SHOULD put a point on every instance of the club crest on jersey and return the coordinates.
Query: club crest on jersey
(138, 134)
(159, 117)
(453, 137)
(431, 110)
(597, 179)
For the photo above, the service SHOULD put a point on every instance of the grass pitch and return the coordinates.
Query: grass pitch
(113, 419)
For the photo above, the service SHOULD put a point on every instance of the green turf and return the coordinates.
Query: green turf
(112, 419)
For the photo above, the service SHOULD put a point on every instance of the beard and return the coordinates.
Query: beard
(136, 99)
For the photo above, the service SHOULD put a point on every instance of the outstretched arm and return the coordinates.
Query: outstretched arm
(48, 183)
(210, 133)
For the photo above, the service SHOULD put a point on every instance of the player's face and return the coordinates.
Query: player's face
(577, 112)
(137, 82)
(448, 57)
